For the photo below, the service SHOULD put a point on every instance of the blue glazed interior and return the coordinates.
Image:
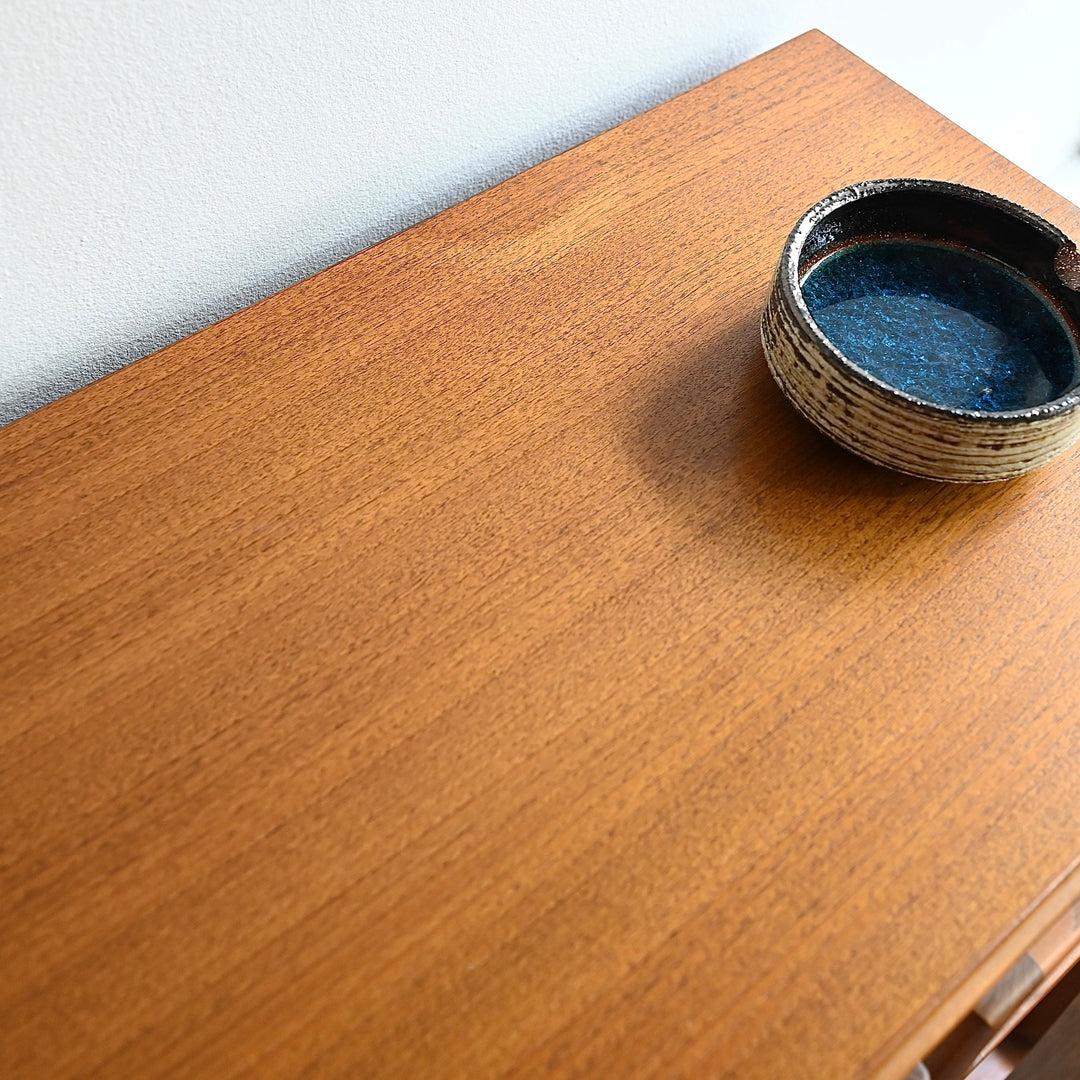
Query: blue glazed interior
(942, 323)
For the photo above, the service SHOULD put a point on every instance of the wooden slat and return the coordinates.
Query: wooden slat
(464, 663)
(1042, 959)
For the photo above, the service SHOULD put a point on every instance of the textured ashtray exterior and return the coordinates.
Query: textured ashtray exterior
(886, 426)
(890, 430)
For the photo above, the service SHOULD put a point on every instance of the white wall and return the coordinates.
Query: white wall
(165, 163)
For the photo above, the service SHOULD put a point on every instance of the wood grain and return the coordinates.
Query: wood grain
(465, 663)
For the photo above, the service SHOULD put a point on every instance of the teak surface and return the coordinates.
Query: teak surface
(465, 664)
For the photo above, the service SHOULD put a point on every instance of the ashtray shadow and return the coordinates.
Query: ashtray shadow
(738, 464)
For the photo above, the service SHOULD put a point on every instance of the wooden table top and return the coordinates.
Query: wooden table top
(464, 663)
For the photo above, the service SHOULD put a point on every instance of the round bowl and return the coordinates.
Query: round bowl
(931, 328)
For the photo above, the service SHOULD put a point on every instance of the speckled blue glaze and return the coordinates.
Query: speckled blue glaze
(942, 323)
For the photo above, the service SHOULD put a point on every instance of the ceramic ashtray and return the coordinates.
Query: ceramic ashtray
(931, 328)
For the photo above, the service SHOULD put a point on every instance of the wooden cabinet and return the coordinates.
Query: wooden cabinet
(465, 663)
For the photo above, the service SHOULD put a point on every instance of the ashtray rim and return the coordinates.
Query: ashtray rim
(788, 275)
